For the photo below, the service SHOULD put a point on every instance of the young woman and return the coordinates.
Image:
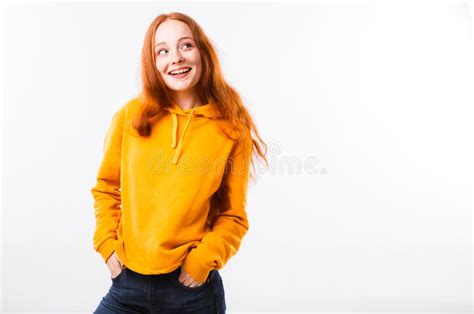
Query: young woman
(171, 189)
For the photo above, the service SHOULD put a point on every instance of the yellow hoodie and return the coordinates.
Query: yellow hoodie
(152, 195)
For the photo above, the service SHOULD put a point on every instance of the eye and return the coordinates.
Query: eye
(159, 51)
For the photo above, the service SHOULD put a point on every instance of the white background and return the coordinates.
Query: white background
(379, 93)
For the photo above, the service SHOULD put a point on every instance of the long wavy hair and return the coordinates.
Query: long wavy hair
(211, 88)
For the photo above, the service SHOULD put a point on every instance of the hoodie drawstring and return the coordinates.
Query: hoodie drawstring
(174, 132)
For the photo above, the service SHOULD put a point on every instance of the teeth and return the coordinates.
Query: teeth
(180, 71)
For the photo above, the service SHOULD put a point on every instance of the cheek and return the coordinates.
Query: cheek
(195, 58)
(199, 67)
(160, 66)
(198, 60)
(198, 63)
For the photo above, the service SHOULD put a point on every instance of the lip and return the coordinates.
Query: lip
(169, 72)
(182, 75)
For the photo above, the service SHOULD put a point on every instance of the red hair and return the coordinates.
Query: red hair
(211, 88)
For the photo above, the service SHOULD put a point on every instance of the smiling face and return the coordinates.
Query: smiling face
(175, 49)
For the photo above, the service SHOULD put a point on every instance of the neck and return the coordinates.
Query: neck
(186, 99)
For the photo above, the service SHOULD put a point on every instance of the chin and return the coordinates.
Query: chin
(180, 88)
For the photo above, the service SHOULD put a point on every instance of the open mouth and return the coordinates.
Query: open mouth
(181, 73)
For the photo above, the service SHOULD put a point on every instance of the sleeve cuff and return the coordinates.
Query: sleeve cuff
(193, 266)
(107, 248)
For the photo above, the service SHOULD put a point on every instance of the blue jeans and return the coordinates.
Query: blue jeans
(132, 292)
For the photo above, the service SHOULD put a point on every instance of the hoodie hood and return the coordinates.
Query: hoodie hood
(206, 111)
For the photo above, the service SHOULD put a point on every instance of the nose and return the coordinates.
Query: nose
(177, 58)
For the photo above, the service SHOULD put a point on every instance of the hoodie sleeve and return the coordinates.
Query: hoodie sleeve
(106, 192)
(231, 225)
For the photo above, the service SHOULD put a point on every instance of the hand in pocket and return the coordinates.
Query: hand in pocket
(115, 265)
(186, 279)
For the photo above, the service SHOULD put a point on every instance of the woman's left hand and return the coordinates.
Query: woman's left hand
(187, 280)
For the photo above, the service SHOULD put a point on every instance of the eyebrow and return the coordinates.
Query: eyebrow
(184, 37)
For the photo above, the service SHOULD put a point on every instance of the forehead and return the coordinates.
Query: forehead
(171, 31)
